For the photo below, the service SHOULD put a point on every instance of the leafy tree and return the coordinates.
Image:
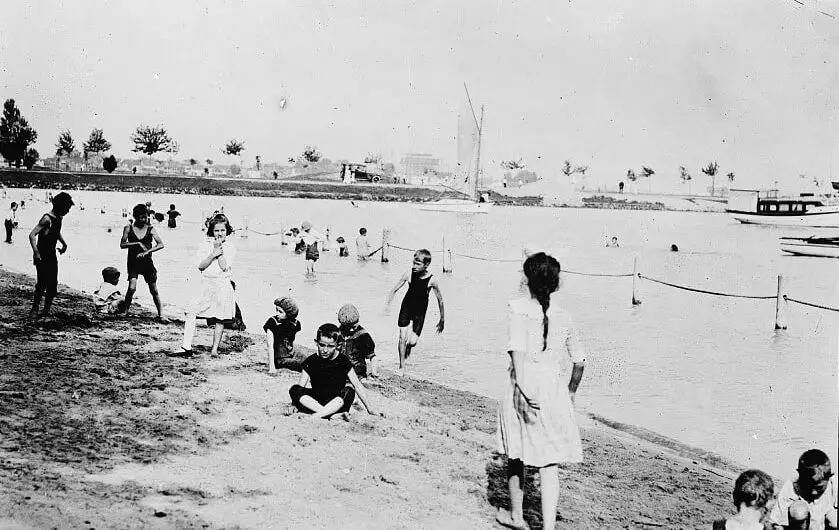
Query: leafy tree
(311, 154)
(684, 174)
(31, 157)
(513, 165)
(209, 161)
(151, 140)
(568, 169)
(730, 176)
(646, 172)
(373, 158)
(193, 162)
(234, 147)
(15, 134)
(711, 170)
(630, 174)
(109, 163)
(65, 145)
(96, 143)
(235, 170)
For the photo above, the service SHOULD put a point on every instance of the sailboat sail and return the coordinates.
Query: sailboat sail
(468, 150)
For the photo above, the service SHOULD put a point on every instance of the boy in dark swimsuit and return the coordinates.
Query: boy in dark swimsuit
(415, 304)
(43, 238)
(141, 239)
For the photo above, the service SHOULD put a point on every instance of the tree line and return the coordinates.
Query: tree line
(16, 137)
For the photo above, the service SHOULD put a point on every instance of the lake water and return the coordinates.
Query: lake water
(708, 371)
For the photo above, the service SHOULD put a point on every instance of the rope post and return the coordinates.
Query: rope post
(385, 245)
(780, 305)
(244, 228)
(635, 299)
(282, 234)
(447, 256)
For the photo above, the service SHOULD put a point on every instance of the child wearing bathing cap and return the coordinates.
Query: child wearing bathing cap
(357, 344)
(280, 332)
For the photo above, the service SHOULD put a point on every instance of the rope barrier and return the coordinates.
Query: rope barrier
(488, 259)
(788, 299)
(703, 291)
(627, 275)
(391, 245)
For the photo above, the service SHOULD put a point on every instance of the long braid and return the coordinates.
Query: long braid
(542, 272)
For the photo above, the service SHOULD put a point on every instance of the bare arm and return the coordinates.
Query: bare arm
(304, 378)
(124, 243)
(360, 391)
(42, 225)
(206, 262)
(63, 248)
(439, 294)
(158, 243)
(402, 281)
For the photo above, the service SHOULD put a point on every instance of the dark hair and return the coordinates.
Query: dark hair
(542, 272)
(14, 204)
(329, 331)
(62, 201)
(220, 218)
(362, 230)
(424, 254)
(813, 460)
(754, 488)
(139, 210)
(171, 206)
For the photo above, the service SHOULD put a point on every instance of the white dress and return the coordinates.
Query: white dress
(552, 436)
(216, 299)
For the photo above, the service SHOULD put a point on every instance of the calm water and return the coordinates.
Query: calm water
(705, 370)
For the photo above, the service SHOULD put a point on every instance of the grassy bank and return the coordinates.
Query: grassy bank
(307, 189)
(100, 428)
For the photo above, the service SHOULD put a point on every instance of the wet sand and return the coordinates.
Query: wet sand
(99, 428)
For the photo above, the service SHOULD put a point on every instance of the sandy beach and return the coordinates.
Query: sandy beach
(99, 428)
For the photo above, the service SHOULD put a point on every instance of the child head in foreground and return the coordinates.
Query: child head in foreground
(422, 259)
(110, 275)
(753, 496)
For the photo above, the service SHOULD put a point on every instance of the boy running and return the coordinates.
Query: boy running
(415, 304)
(43, 238)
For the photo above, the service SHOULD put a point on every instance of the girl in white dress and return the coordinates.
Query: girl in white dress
(217, 300)
(536, 419)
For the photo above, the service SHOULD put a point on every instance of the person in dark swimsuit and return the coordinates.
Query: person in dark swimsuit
(43, 239)
(414, 305)
(173, 215)
(141, 239)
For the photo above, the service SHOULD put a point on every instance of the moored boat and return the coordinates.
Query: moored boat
(822, 247)
(768, 207)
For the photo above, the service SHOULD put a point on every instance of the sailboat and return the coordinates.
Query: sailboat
(469, 133)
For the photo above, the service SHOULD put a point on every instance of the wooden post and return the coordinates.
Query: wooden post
(385, 245)
(447, 256)
(244, 228)
(282, 233)
(635, 299)
(780, 305)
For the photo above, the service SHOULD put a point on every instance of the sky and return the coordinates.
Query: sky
(612, 84)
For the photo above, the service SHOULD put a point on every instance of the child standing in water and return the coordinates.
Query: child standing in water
(173, 216)
(415, 304)
(43, 238)
(311, 238)
(362, 246)
(536, 420)
(141, 239)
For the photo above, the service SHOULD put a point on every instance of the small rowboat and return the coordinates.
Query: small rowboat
(821, 247)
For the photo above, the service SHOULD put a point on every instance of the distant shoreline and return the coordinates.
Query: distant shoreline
(304, 188)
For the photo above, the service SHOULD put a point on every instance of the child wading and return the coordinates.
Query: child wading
(536, 421)
(43, 239)
(10, 222)
(414, 305)
(141, 239)
(311, 238)
(334, 383)
(173, 216)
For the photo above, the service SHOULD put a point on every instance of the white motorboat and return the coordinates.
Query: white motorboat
(457, 206)
(821, 247)
(769, 208)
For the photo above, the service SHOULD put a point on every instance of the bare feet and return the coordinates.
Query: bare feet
(505, 518)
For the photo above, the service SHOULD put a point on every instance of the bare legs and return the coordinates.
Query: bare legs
(189, 334)
(407, 340)
(155, 295)
(322, 411)
(129, 294)
(549, 477)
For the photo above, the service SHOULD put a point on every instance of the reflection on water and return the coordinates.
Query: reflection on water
(706, 370)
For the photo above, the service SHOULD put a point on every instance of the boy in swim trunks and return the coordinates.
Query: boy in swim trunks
(412, 312)
(43, 239)
(141, 239)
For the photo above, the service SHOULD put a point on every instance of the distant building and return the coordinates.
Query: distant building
(415, 165)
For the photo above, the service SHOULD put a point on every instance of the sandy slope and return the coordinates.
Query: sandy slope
(100, 429)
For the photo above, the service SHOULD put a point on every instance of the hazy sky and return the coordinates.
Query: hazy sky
(612, 84)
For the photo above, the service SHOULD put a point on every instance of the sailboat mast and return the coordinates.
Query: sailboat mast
(478, 161)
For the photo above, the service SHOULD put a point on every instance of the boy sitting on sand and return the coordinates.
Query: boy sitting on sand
(280, 332)
(107, 297)
(811, 501)
(753, 494)
(356, 343)
(334, 384)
